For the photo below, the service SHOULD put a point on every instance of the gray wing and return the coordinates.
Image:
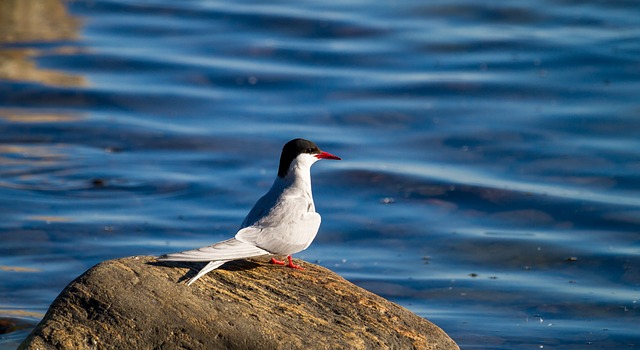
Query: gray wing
(230, 249)
(287, 229)
(259, 209)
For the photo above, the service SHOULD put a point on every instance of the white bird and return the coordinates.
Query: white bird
(283, 222)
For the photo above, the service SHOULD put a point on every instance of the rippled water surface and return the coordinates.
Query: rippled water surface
(490, 179)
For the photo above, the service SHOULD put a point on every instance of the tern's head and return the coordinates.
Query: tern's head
(304, 151)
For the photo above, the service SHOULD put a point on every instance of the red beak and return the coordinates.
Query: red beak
(327, 155)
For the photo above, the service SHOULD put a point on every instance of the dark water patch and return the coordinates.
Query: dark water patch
(11, 325)
(499, 13)
(500, 206)
(14, 330)
(105, 62)
(29, 96)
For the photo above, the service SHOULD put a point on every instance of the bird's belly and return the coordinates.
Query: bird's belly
(291, 238)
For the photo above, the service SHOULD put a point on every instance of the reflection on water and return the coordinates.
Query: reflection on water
(29, 30)
(36, 21)
(24, 116)
(490, 174)
(24, 22)
(19, 65)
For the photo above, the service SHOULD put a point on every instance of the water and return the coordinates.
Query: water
(490, 180)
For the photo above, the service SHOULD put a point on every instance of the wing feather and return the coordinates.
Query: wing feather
(288, 229)
(230, 249)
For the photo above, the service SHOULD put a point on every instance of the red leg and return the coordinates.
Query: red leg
(277, 262)
(292, 265)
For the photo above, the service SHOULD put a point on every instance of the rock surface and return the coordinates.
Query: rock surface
(137, 303)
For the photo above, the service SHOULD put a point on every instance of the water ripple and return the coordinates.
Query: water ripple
(489, 179)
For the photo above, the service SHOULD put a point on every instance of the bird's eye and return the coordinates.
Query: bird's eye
(310, 150)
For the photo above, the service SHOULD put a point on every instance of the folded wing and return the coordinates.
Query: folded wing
(230, 249)
(289, 228)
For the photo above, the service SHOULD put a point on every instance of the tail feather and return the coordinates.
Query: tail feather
(216, 254)
(210, 267)
(230, 249)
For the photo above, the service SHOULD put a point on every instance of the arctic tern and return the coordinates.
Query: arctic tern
(283, 222)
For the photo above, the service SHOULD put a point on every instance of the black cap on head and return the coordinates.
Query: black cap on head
(291, 150)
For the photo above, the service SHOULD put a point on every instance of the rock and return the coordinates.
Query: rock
(137, 303)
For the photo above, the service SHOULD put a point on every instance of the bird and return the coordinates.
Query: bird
(282, 222)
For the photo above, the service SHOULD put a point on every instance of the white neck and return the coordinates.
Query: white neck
(298, 178)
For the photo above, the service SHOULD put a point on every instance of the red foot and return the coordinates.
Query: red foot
(277, 262)
(290, 264)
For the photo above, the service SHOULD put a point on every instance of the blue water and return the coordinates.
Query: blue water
(490, 179)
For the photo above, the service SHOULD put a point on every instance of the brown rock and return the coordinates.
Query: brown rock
(137, 303)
